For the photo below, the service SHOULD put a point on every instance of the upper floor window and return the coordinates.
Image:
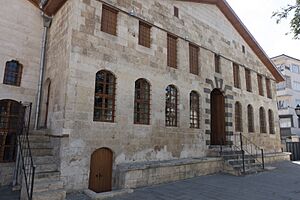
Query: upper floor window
(295, 68)
(13, 73)
(296, 85)
(250, 119)
(144, 34)
(260, 86)
(109, 20)
(172, 51)
(236, 75)
(262, 120)
(268, 87)
(171, 105)
(142, 102)
(238, 117)
(217, 63)
(194, 59)
(176, 12)
(248, 80)
(104, 104)
(194, 110)
(271, 122)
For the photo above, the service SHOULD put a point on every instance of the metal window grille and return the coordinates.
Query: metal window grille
(13, 73)
(236, 75)
(104, 104)
(262, 120)
(248, 80)
(271, 122)
(142, 102)
(194, 59)
(260, 86)
(238, 117)
(194, 110)
(109, 20)
(171, 106)
(144, 34)
(250, 119)
(172, 51)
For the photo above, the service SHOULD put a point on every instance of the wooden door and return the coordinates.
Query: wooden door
(218, 136)
(101, 170)
(9, 120)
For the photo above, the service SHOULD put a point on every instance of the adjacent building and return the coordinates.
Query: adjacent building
(129, 86)
(288, 95)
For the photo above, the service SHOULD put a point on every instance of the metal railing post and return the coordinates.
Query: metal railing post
(243, 152)
(262, 159)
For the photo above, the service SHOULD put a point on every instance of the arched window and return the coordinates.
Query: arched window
(194, 110)
(250, 119)
(13, 73)
(9, 116)
(262, 120)
(171, 105)
(238, 117)
(271, 122)
(104, 105)
(142, 102)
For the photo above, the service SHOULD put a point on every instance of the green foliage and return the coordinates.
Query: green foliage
(295, 21)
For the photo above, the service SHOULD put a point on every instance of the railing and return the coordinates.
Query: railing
(24, 151)
(248, 149)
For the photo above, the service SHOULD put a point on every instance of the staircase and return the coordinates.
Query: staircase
(47, 183)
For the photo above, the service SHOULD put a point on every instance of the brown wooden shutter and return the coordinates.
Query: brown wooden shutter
(236, 75)
(262, 120)
(260, 87)
(248, 80)
(250, 119)
(172, 51)
(238, 117)
(194, 59)
(217, 63)
(144, 34)
(176, 11)
(268, 87)
(109, 20)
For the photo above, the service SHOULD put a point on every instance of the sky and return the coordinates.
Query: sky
(256, 15)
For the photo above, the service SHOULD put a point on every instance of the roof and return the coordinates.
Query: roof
(52, 6)
(283, 55)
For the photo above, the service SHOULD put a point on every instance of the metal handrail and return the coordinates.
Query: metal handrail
(25, 155)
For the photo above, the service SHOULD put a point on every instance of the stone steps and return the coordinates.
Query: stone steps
(41, 152)
(50, 195)
(43, 160)
(47, 175)
(47, 185)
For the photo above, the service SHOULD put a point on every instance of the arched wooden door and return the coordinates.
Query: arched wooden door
(218, 136)
(101, 170)
(9, 117)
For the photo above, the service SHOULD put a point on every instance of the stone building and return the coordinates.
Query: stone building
(140, 89)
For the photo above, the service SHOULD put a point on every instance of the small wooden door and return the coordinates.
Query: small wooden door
(218, 136)
(101, 170)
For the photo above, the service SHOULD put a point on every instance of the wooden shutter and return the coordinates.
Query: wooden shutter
(217, 63)
(248, 80)
(172, 51)
(144, 34)
(194, 59)
(250, 119)
(262, 120)
(260, 87)
(268, 87)
(236, 75)
(176, 12)
(271, 122)
(109, 20)
(238, 117)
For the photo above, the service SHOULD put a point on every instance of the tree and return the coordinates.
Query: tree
(295, 21)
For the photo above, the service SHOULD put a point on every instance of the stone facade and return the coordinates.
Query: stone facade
(20, 36)
(77, 50)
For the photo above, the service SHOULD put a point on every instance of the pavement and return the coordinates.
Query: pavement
(281, 183)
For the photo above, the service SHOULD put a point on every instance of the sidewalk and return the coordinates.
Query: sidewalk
(282, 183)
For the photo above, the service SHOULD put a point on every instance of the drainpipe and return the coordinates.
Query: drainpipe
(47, 23)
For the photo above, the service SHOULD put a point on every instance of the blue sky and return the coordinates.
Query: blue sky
(256, 15)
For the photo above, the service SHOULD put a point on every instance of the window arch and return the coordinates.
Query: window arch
(238, 117)
(250, 119)
(13, 73)
(262, 120)
(171, 105)
(271, 121)
(104, 104)
(194, 109)
(142, 102)
(9, 116)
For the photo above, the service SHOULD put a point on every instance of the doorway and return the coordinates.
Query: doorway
(218, 136)
(101, 170)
